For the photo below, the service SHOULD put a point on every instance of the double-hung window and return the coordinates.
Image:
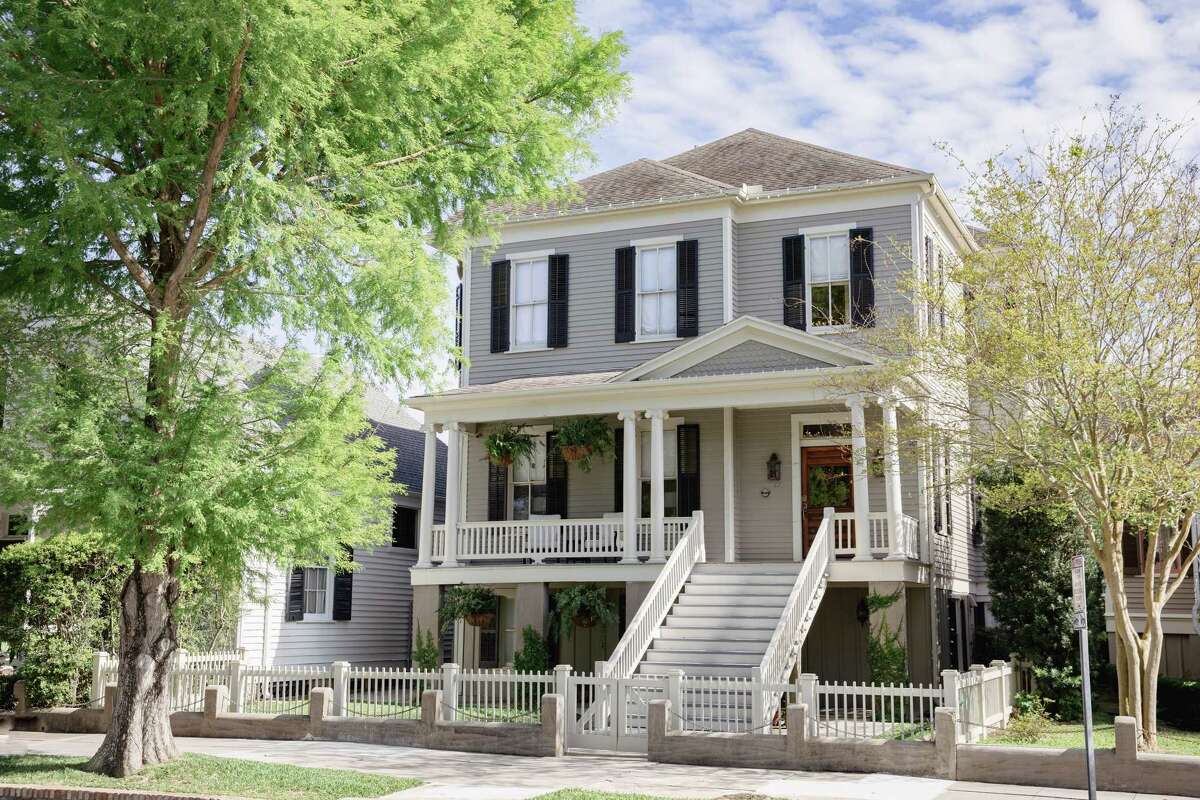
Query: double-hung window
(529, 303)
(828, 263)
(529, 482)
(656, 308)
(317, 593)
(670, 471)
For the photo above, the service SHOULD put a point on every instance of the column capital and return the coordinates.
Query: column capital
(888, 400)
(452, 427)
(625, 416)
(656, 413)
(856, 402)
(429, 427)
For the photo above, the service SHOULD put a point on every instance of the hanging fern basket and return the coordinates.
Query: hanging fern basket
(575, 453)
(584, 620)
(504, 460)
(480, 619)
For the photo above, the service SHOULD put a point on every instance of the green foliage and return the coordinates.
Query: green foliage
(463, 600)
(1179, 702)
(887, 658)
(1062, 689)
(827, 488)
(1030, 720)
(57, 601)
(534, 655)
(425, 652)
(585, 604)
(591, 436)
(508, 444)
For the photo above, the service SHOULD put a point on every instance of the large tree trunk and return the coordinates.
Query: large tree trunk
(140, 731)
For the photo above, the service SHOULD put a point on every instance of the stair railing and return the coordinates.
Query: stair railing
(645, 623)
(796, 618)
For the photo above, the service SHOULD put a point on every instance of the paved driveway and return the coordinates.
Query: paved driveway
(452, 775)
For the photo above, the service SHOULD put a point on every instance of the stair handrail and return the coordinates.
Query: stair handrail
(670, 581)
(789, 632)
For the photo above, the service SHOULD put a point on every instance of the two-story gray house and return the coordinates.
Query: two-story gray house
(704, 306)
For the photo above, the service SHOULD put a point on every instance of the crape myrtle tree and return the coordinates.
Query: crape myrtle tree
(177, 177)
(1078, 335)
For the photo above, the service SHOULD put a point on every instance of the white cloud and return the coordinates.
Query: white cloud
(886, 80)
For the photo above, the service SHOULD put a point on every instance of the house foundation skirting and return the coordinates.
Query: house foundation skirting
(432, 731)
(1121, 768)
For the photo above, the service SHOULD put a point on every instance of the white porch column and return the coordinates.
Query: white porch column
(730, 487)
(453, 490)
(428, 496)
(891, 474)
(657, 499)
(862, 489)
(630, 491)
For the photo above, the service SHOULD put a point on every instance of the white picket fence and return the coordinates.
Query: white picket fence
(983, 697)
(883, 711)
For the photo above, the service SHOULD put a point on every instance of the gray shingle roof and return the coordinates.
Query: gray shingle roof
(409, 447)
(751, 157)
(774, 162)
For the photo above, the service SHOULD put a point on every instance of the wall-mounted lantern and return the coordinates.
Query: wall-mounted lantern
(774, 468)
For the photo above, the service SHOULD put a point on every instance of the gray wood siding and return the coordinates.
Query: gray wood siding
(764, 524)
(591, 304)
(378, 632)
(836, 646)
(758, 274)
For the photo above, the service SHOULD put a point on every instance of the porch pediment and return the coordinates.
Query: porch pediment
(748, 345)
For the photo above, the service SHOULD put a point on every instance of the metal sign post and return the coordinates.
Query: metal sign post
(1079, 622)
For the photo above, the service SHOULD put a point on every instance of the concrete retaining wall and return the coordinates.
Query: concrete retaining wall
(432, 731)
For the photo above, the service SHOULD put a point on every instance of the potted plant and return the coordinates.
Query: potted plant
(507, 444)
(579, 439)
(584, 606)
(475, 604)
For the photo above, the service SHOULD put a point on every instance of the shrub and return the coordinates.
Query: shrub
(534, 655)
(425, 651)
(1179, 702)
(1030, 719)
(886, 657)
(1062, 688)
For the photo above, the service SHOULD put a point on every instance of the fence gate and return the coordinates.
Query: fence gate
(611, 713)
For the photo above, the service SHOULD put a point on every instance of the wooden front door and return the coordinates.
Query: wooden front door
(826, 479)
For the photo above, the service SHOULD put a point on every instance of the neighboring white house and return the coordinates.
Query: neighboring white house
(704, 306)
(307, 615)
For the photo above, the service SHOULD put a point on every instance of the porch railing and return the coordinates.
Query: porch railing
(879, 535)
(539, 539)
(641, 629)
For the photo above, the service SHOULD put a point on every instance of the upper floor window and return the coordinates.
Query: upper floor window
(529, 482)
(828, 262)
(656, 306)
(529, 303)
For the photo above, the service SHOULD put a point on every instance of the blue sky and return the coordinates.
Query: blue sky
(891, 79)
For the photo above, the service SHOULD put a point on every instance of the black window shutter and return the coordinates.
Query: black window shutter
(948, 494)
(688, 442)
(687, 288)
(489, 639)
(458, 323)
(937, 490)
(446, 635)
(862, 277)
(556, 313)
(500, 278)
(618, 468)
(556, 478)
(625, 293)
(928, 283)
(343, 592)
(497, 492)
(793, 282)
(295, 596)
(404, 527)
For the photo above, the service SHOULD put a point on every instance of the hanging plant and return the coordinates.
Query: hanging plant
(580, 439)
(475, 604)
(584, 605)
(507, 444)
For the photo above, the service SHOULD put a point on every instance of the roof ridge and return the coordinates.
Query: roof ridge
(823, 148)
(687, 173)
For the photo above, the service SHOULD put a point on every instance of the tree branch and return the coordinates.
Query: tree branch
(139, 275)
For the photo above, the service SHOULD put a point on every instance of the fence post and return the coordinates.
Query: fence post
(675, 695)
(99, 668)
(179, 682)
(950, 698)
(1006, 693)
(561, 673)
(450, 690)
(807, 687)
(757, 707)
(978, 693)
(235, 686)
(341, 686)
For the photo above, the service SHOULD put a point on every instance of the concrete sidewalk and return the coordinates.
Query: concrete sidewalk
(468, 776)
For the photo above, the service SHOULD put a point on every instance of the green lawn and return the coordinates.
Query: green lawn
(583, 794)
(197, 774)
(1070, 734)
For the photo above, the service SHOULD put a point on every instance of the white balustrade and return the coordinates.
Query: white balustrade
(540, 539)
(658, 602)
(877, 533)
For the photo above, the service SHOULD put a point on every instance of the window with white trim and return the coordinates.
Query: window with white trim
(670, 471)
(317, 592)
(827, 263)
(529, 482)
(656, 309)
(530, 288)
